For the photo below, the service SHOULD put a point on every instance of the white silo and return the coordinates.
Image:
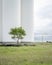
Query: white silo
(27, 19)
(10, 17)
(14, 13)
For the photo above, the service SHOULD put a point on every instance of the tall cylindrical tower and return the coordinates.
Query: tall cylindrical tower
(15, 13)
(27, 19)
(10, 17)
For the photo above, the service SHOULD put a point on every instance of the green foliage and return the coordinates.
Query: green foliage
(18, 33)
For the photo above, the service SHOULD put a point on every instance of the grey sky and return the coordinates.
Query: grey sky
(43, 16)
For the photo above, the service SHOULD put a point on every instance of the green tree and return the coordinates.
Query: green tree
(17, 33)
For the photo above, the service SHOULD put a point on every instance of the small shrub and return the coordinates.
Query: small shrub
(25, 45)
(33, 45)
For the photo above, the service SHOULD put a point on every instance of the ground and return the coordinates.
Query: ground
(41, 54)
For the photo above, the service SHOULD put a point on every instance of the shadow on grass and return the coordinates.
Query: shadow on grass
(16, 45)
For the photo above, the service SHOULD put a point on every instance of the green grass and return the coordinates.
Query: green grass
(41, 54)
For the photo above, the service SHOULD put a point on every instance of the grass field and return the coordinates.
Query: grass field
(41, 54)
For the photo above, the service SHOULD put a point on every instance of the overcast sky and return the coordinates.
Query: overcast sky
(43, 16)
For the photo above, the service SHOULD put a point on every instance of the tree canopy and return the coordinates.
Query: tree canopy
(17, 32)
